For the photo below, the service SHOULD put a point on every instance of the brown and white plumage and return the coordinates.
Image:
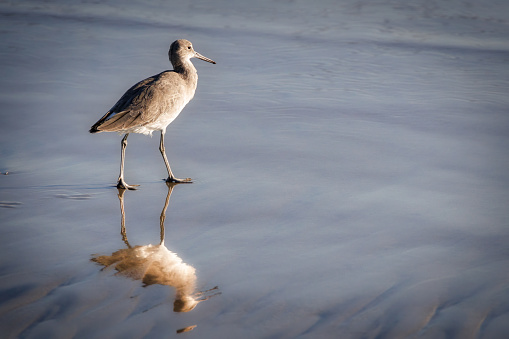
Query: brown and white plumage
(152, 104)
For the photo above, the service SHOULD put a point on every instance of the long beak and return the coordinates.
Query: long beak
(199, 56)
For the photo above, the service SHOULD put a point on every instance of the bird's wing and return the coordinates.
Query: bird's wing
(141, 104)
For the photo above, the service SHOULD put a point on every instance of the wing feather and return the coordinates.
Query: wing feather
(140, 105)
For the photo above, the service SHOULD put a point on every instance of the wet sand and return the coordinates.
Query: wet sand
(349, 164)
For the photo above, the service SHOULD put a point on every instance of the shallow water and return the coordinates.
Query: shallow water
(350, 165)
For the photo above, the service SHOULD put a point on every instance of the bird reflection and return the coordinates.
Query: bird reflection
(155, 264)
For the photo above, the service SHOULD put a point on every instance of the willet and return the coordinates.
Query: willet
(152, 104)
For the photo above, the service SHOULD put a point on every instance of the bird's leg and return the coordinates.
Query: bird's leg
(171, 177)
(121, 184)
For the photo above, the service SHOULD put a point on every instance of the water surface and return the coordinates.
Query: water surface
(350, 166)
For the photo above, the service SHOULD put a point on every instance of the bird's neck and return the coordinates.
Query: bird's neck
(186, 70)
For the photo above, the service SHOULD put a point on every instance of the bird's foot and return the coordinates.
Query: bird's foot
(173, 179)
(123, 185)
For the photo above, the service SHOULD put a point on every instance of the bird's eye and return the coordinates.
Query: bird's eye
(188, 47)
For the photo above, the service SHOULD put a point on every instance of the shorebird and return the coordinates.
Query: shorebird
(152, 104)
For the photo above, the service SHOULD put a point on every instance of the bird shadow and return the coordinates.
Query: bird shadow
(156, 264)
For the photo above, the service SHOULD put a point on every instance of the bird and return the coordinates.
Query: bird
(152, 104)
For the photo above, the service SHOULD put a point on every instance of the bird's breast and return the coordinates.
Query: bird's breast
(173, 98)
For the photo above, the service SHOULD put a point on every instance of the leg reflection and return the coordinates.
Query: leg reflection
(156, 264)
